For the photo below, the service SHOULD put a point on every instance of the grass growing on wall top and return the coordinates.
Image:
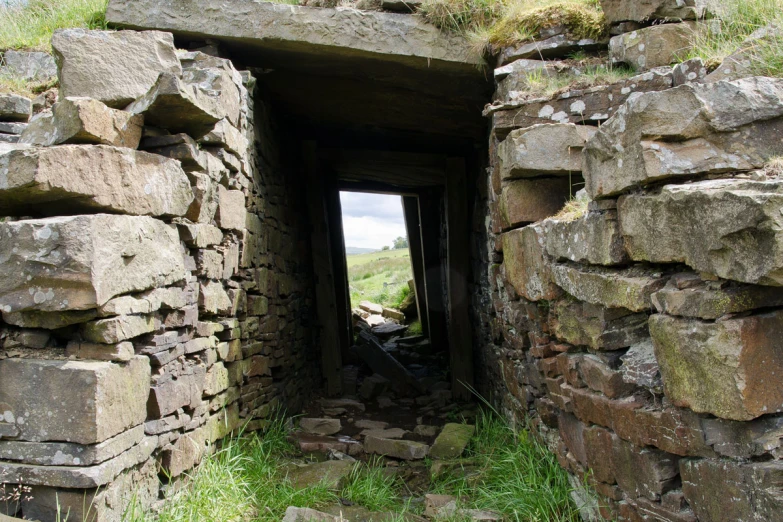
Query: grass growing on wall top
(29, 25)
(508, 22)
(735, 21)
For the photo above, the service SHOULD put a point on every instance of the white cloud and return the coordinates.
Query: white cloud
(371, 220)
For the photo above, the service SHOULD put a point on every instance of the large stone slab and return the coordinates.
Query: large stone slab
(730, 368)
(691, 130)
(452, 441)
(729, 228)
(629, 288)
(88, 178)
(398, 449)
(335, 33)
(600, 328)
(382, 363)
(528, 268)
(593, 239)
(112, 67)
(546, 149)
(593, 105)
(649, 10)
(653, 46)
(80, 262)
(84, 120)
(73, 401)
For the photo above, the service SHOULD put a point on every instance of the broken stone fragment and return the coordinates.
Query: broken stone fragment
(213, 298)
(425, 430)
(640, 367)
(49, 320)
(545, 149)
(452, 441)
(525, 201)
(178, 107)
(728, 368)
(74, 401)
(729, 228)
(398, 449)
(320, 426)
(387, 433)
(84, 120)
(112, 67)
(381, 362)
(556, 46)
(205, 199)
(653, 46)
(228, 137)
(691, 130)
(297, 514)
(200, 236)
(349, 404)
(81, 262)
(15, 108)
(34, 181)
(391, 313)
(628, 288)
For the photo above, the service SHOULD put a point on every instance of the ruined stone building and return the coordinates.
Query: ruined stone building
(170, 247)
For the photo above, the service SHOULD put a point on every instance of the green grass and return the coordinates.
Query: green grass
(735, 21)
(373, 487)
(380, 277)
(518, 477)
(542, 85)
(500, 23)
(30, 25)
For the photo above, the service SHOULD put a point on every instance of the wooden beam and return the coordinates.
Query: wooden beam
(396, 169)
(410, 206)
(339, 264)
(458, 262)
(431, 217)
(329, 341)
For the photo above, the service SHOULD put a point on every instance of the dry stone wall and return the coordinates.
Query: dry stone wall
(640, 336)
(155, 278)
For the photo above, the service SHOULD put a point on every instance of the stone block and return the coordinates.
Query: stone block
(81, 262)
(117, 329)
(120, 352)
(29, 66)
(231, 212)
(653, 46)
(185, 391)
(689, 296)
(320, 426)
(15, 108)
(49, 320)
(178, 107)
(217, 380)
(548, 45)
(525, 201)
(112, 67)
(594, 105)
(728, 368)
(398, 449)
(650, 10)
(643, 472)
(689, 131)
(201, 235)
(728, 490)
(68, 454)
(297, 514)
(629, 288)
(185, 453)
(73, 477)
(73, 401)
(585, 324)
(640, 367)
(213, 298)
(89, 178)
(728, 228)
(84, 120)
(591, 239)
(599, 375)
(452, 441)
(543, 150)
(228, 137)
(527, 267)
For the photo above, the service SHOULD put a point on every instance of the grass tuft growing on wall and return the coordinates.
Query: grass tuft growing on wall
(508, 22)
(29, 25)
(734, 22)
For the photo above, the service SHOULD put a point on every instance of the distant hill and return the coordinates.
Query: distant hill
(356, 250)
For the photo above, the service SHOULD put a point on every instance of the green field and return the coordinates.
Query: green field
(380, 277)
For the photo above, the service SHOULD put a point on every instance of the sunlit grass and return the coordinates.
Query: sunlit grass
(30, 25)
(380, 279)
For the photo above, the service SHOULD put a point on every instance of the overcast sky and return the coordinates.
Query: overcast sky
(371, 220)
